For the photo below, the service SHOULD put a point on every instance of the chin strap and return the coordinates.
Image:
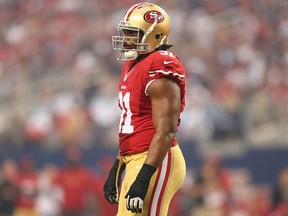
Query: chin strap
(130, 55)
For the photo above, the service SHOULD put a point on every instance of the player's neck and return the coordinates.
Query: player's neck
(138, 59)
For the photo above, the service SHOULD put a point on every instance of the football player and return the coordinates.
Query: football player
(152, 97)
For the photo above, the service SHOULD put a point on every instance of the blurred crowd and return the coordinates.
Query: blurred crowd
(218, 191)
(59, 75)
(59, 78)
(74, 189)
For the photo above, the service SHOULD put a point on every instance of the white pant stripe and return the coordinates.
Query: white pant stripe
(159, 186)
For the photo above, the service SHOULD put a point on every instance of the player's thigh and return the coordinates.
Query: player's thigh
(167, 182)
(178, 174)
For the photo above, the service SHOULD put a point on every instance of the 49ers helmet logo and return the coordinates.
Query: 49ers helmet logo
(153, 15)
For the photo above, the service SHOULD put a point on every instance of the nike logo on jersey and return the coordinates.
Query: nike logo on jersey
(167, 62)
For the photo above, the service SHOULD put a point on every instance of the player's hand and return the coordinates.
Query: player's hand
(110, 192)
(112, 183)
(138, 190)
(135, 196)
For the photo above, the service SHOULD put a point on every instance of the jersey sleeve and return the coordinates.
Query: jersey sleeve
(166, 65)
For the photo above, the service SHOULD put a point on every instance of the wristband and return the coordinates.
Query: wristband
(146, 173)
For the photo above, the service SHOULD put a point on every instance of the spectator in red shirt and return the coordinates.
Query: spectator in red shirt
(76, 182)
(27, 183)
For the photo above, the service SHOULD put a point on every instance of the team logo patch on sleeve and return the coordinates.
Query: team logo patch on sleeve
(153, 15)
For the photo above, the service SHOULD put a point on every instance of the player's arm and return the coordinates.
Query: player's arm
(166, 99)
(113, 181)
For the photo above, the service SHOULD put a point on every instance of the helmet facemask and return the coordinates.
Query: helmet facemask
(129, 43)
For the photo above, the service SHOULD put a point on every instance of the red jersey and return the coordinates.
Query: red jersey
(136, 128)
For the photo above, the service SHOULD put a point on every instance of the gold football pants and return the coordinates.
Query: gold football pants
(163, 185)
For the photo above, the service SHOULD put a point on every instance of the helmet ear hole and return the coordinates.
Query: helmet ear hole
(157, 36)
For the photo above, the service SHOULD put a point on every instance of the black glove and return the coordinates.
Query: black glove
(113, 182)
(138, 190)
